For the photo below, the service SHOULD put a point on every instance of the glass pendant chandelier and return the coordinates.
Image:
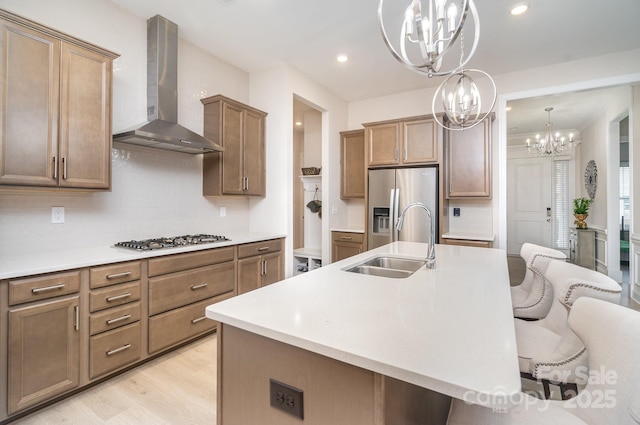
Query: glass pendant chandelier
(549, 143)
(425, 39)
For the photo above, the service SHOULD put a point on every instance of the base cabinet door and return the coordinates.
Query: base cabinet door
(272, 269)
(44, 354)
(259, 264)
(249, 274)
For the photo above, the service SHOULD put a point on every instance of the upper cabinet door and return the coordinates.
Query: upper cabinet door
(352, 169)
(85, 119)
(29, 106)
(254, 150)
(420, 142)
(383, 144)
(469, 162)
(233, 171)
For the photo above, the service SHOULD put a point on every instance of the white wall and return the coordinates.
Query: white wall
(273, 90)
(154, 193)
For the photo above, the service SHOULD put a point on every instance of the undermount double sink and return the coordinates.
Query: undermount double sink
(387, 266)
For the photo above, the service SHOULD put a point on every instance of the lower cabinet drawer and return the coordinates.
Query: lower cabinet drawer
(178, 289)
(112, 296)
(179, 325)
(114, 349)
(114, 317)
(43, 287)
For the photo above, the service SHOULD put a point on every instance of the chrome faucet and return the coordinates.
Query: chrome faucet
(431, 246)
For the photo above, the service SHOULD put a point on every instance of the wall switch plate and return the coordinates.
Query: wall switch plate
(456, 212)
(223, 211)
(334, 209)
(286, 398)
(57, 215)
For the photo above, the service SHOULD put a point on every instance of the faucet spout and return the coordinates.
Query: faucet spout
(431, 245)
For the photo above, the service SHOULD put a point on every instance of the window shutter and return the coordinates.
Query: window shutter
(562, 204)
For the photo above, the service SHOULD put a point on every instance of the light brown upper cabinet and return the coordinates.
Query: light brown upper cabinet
(468, 161)
(240, 129)
(352, 170)
(408, 141)
(55, 107)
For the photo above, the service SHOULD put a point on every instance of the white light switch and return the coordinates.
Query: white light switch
(57, 215)
(223, 211)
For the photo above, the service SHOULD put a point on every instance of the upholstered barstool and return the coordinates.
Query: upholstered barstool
(611, 334)
(548, 350)
(532, 298)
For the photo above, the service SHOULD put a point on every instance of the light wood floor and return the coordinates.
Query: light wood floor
(178, 388)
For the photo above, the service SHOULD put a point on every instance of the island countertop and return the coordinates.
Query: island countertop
(449, 329)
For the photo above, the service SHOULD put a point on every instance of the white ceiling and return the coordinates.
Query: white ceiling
(309, 34)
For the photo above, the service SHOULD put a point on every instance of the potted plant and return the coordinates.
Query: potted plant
(581, 211)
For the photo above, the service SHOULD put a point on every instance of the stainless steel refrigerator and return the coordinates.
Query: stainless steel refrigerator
(389, 191)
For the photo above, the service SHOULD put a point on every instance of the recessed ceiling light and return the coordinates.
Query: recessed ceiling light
(298, 123)
(342, 58)
(508, 108)
(519, 9)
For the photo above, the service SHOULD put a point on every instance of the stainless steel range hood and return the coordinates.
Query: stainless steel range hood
(162, 130)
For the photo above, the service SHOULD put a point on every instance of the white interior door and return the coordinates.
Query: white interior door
(529, 215)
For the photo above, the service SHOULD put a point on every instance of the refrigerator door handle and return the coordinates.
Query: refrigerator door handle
(394, 216)
(392, 220)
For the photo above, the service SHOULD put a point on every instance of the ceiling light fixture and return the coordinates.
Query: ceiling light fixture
(519, 9)
(342, 58)
(549, 143)
(424, 42)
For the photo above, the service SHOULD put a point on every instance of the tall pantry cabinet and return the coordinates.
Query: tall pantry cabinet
(55, 108)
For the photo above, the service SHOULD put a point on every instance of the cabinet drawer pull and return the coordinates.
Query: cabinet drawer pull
(199, 319)
(118, 297)
(263, 248)
(117, 350)
(202, 285)
(346, 238)
(47, 288)
(118, 319)
(118, 275)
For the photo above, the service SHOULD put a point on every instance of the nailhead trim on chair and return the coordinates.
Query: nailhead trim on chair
(544, 280)
(544, 289)
(562, 363)
(585, 285)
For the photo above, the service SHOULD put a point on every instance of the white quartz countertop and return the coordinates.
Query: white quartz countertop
(346, 230)
(45, 262)
(473, 236)
(449, 329)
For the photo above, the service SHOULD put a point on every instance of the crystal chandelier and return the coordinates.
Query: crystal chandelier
(424, 41)
(549, 143)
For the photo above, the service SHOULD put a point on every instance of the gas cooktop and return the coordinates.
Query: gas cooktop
(172, 242)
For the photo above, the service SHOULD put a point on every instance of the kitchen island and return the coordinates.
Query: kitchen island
(368, 349)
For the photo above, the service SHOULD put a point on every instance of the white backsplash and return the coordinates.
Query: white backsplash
(476, 217)
(154, 193)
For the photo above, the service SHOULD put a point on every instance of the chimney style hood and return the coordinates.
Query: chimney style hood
(162, 130)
